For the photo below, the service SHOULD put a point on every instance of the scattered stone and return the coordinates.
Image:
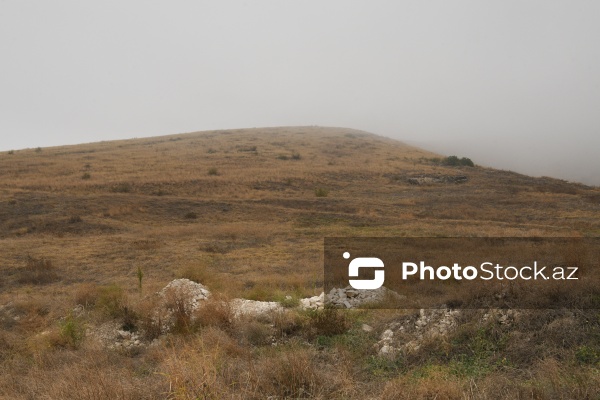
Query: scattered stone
(351, 298)
(313, 303)
(367, 328)
(432, 179)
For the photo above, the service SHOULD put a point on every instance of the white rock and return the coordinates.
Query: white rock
(387, 335)
(253, 307)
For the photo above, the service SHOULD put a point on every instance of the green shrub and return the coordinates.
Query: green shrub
(587, 355)
(288, 301)
(111, 300)
(213, 171)
(72, 332)
(321, 192)
(454, 161)
(296, 156)
(86, 176)
(11, 152)
(282, 157)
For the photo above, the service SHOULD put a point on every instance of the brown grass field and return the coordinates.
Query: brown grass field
(244, 212)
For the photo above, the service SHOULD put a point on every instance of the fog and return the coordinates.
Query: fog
(510, 84)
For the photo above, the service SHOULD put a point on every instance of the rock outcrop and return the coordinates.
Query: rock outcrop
(349, 297)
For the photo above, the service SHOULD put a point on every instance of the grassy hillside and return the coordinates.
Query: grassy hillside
(245, 213)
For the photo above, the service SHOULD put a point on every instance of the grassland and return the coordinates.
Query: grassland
(245, 213)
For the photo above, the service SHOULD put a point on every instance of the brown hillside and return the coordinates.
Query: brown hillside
(245, 213)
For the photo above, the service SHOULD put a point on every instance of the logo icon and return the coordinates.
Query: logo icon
(365, 262)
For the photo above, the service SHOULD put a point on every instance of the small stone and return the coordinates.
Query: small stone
(367, 328)
(123, 334)
(387, 351)
(388, 334)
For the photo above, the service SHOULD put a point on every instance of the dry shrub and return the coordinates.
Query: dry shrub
(436, 385)
(287, 322)
(254, 332)
(216, 367)
(216, 312)
(87, 294)
(554, 380)
(38, 271)
(548, 379)
(112, 301)
(213, 337)
(292, 373)
(178, 301)
(193, 373)
(327, 322)
(32, 314)
(87, 373)
(151, 317)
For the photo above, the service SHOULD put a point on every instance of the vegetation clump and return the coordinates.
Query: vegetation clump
(454, 161)
(321, 192)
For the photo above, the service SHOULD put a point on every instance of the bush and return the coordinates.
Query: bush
(587, 355)
(72, 332)
(122, 187)
(328, 322)
(38, 150)
(11, 152)
(294, 156)
(256, 333)
(454, 161)
(111, 301)
(216, 312)
(248, 149)
(86, 176)
(288, 301)
(191, 215)
(466, 162)
(87, 295)
(213, 171)
(321, 192)
(37, 272)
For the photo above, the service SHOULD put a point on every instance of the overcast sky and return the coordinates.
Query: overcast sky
(511, 84)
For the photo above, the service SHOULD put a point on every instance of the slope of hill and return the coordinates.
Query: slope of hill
(245, 213)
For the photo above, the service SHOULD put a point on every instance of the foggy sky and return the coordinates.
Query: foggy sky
(510, 84)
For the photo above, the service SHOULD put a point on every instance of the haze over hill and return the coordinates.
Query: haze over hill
(559, 159)
(514, 83)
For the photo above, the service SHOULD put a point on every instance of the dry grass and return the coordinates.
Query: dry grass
(245, 212)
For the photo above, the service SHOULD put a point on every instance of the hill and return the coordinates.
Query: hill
(243, 212)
